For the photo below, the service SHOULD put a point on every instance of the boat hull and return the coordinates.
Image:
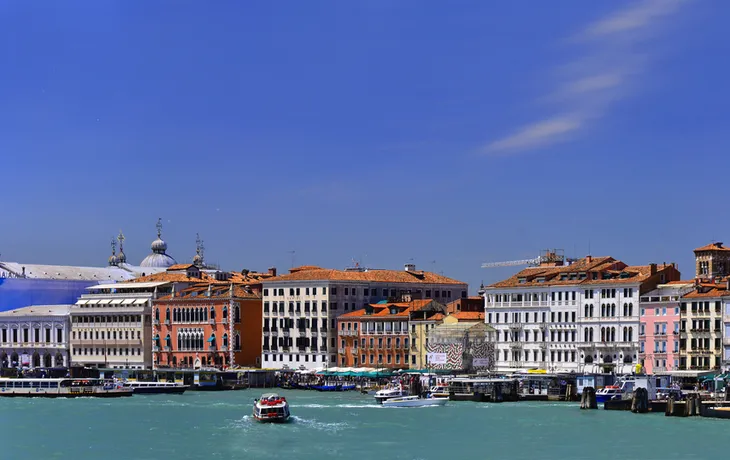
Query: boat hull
(602, 398)
(162, 390)
(416, 402)
(100, 394)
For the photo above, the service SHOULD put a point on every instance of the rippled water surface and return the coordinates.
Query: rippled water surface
(338, 425)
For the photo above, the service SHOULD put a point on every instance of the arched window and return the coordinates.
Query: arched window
(631, 309)
(237, 314)
(179, 341)
(225, 311)
(586, 312)
(613, 334)
(212, 313)
(225, 339)
(591, 311)
(157, 314)
(603, 309)
(626, 333)
(603, 334)
(631, 334)
(167, 314)
(156, 338)
(205, 314)
(237, 342)
(613, 309)
(591, 335)
(626, 309)
(586, 336)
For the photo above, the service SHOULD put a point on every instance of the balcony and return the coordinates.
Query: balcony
(302, 333)
(155, 348)
(167, 322)
(323, 348)
(515, 326)
(274, 331)
(515, 345)
(224, 321)
(167, 348)
(313, 333)
(211, 347)
(341, 351)
(286, 333)
(224, 348)
(156, 322)
(211, 321)
(285, 348)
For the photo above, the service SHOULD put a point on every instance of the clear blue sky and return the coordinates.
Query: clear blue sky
(381, 130)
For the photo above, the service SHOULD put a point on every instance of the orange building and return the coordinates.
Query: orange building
(207, 325)
(378, 335)
(212, 318)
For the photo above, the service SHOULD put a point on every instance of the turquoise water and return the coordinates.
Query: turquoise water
(219, 426)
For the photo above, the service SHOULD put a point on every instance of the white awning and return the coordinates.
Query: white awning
(104, 301)
(117, 301)
(92, 302)
(140, 301)
(81, 302)
(127, 301)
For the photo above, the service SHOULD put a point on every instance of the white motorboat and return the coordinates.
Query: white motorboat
(389, 393)
(271, 408)
(156, 387)
(414, 401)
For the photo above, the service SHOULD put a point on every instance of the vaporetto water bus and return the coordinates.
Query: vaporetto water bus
(61, 388)
(156, 387)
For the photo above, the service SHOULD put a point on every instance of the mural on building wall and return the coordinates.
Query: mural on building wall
(457, 359)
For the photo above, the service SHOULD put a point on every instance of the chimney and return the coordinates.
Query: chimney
(589, 258)
(410, 267)
(272, 271)
(652, 269)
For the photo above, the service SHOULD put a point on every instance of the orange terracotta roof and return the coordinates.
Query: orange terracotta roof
(173, 278)
(179, 267)
(712, 247)
(372, 275)
(610, 271)
(469, 315)
(680, 282)
(437, 317)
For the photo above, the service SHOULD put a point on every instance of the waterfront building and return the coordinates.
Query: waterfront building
(35, 336)
(466, 345)
(701, 330)
(301, 308)
(571, 317)
(111, 325)
(378, 335)
(210, 324)
(659, 327)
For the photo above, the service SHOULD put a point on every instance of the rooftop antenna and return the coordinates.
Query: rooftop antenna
(293, 257)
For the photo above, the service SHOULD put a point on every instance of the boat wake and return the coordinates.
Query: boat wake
(322, 426)
(344, 406)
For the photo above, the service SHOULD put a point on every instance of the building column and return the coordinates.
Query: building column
(53, 360)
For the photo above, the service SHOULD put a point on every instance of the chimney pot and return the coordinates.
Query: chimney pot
(652, 268)
(272, 271)
(589, 259)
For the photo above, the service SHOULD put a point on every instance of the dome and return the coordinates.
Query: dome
(197, 260)
(159, 260)
(121, 258)
(113, 260)
(159, 246)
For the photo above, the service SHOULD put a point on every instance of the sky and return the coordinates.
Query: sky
(383, 132)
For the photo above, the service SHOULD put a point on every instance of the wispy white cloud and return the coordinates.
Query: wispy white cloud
(589, 84)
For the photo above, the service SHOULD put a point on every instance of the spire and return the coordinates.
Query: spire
(113, 260)
(199, 259)
(121, 258)
(159, 227)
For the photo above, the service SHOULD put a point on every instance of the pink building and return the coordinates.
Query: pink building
(659, 327)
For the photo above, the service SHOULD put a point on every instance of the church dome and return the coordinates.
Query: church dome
(121, 258)
(113, 260)
(159, 258)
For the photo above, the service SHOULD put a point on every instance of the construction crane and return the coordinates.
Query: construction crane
(549, 256)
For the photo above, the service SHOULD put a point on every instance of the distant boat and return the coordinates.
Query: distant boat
(271, 408)
(414, 401)
(156, 387)
(61, 388)
(390, 392)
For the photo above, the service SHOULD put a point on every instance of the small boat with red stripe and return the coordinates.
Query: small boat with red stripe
(271, 408)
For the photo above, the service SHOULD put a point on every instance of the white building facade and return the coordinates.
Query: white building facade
(111, 326)
(300, 308)
(581, 317)
(35, 336)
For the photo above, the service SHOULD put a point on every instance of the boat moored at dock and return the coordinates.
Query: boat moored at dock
(389, 392)
(61, 388)
(271, 408)
(156, 387)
